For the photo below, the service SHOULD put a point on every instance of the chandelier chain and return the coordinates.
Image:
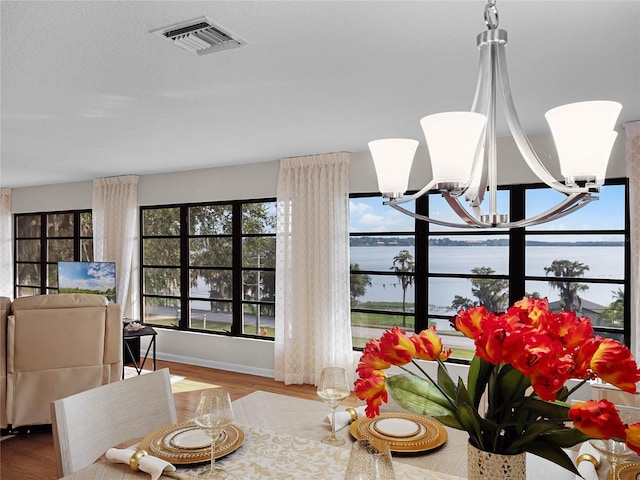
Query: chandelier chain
(491, 15)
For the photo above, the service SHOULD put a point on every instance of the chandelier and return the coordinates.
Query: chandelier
(463, 150)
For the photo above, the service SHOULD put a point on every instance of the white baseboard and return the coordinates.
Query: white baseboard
(230, 367)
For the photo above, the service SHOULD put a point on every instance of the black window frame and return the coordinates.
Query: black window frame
(184, 236)
(516, 276)
(44, 237)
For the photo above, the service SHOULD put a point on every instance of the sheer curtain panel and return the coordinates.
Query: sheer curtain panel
(6, 262)
(313, 328)
(115, 201)
(632, 150)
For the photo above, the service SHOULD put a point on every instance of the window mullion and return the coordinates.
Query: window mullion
(185, 270)
(236, 262)
(516, 245)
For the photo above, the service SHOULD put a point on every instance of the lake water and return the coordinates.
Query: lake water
(603, 262)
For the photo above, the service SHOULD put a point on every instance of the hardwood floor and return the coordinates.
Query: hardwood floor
(30, 456)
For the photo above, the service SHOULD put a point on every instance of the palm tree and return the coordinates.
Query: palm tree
(402, 264)
(569, 289)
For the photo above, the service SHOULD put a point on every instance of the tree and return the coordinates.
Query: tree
(614, 313)
(569, 289)
(490, 292)
(402, 265)
(358, 283)
(462, 303)
(162, 256)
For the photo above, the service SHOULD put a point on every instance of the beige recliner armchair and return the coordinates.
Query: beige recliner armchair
(58, 345)
(4, 311)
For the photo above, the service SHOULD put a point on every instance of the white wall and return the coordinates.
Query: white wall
(245, 182)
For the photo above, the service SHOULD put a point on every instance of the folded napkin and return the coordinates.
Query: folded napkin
(345, 417)
(154, 466)
(585, 460)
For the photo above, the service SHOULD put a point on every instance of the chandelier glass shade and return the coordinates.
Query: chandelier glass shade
(463, 149)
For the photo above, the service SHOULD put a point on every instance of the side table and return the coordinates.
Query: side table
(143, 332)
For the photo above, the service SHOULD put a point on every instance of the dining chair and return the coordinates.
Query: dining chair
(87, 424)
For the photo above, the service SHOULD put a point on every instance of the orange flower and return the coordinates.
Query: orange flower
(371, 360)
(633, 437)
(614, 363)
(373, 389)
(396, 347)
(468, 321)
(429, 345)
(598, 419)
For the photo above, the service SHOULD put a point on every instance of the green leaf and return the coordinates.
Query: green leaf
(463, 394)
(445, 382)
(479, 373)
(556, 410)
(449, 421)
(468, 417)
(419, 396)
(553, 454)
(532, 432)
(511, 383)
(566, 438)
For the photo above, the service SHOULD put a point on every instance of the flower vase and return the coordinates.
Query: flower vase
(483, 465)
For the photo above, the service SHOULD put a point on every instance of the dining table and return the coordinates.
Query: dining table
(282, 440)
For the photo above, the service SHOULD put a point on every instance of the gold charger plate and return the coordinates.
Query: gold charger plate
(164, 443)
(427, 435)
(627, 471)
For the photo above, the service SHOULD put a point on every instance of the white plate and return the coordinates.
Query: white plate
(190, 439)
(397, 427)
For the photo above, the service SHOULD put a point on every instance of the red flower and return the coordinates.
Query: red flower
(598, 419)
(613, 363)
(396, 347)
(373, 389)
(429, 345)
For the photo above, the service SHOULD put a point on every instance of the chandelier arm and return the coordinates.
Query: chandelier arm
(417, 216)
(396, 201)
(526, 150)
(478, 183)
(569, 205)
(469, 219)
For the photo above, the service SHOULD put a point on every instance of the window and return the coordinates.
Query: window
(42, 240)
(210, 267)
(579, 262)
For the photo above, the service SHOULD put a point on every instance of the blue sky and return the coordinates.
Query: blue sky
(86, 275)
(369, 214)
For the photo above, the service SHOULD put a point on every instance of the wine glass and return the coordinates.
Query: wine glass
(370, 460)
(615, 452)
(333, 388)
(213, 415)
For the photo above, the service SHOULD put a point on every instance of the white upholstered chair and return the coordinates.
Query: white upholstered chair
(87, 424)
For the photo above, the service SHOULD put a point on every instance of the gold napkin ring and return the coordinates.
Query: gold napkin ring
(588, 458)
(135, 458)
(352, 412)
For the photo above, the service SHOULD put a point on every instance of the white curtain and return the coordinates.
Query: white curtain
(313, 328)
(6, 247)
(632, 149)
(115, 201)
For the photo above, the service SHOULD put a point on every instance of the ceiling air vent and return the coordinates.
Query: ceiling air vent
(200, 36)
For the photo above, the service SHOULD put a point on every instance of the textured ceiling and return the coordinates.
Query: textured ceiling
(87, 92)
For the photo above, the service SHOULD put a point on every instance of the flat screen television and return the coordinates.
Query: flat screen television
(88, 277)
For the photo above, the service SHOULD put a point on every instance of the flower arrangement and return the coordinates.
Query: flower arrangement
(522, 361)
